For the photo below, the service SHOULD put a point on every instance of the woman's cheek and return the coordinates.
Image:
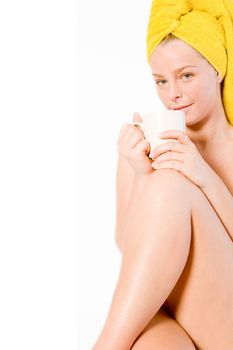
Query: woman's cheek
(163, 96)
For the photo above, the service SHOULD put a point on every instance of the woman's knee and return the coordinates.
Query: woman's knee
(169, 184)
(171, 178)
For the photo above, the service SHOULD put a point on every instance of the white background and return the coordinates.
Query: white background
(71, 73)
(38, 175)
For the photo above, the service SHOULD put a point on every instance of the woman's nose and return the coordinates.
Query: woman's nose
(174, 92)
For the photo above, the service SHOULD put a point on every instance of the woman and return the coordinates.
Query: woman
(174, 222)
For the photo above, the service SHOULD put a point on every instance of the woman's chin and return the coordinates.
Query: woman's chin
(190, 119)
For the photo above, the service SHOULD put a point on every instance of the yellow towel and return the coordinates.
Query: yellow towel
(207, 26)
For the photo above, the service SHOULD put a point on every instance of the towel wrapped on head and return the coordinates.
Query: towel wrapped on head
(207, 26)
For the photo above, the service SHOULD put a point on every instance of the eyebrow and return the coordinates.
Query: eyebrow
(178, 70)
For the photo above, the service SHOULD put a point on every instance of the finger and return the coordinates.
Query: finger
(140, 151)
(170, 156)
(127, 130)
(123, 129)
(181, 136)
(179, 166)
(167, 146)
(142, 147)
(138, 126)
(130, 140)
(137, 118)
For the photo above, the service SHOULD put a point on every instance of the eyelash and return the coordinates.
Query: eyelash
(158, 81)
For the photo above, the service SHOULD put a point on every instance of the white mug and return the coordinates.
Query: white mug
(155, 122)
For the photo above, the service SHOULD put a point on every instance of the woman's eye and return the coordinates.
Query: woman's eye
(189, 74)
(162, 82)
(159, 81)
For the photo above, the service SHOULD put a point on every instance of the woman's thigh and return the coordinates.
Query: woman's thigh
(163, 333)
(201, 301)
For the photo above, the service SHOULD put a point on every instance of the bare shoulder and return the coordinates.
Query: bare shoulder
(220, 161)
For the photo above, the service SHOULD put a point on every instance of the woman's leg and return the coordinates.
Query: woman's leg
(157, 250)
(153, 257)
(203, 294)
(163, 333)
(201, 301)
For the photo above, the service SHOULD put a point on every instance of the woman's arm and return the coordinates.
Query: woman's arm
(133, 169)
(128, 188)
(221, 200)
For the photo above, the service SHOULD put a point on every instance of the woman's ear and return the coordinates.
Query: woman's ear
(219, 77)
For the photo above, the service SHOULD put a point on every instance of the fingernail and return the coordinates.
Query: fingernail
(153, 165)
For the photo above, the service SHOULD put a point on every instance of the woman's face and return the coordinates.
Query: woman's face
(196, 86)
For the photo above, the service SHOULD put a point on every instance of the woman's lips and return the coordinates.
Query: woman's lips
(181, 108)
(185, 109)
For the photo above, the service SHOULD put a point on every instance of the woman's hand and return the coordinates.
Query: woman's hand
(133, 146)
(182, 156)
